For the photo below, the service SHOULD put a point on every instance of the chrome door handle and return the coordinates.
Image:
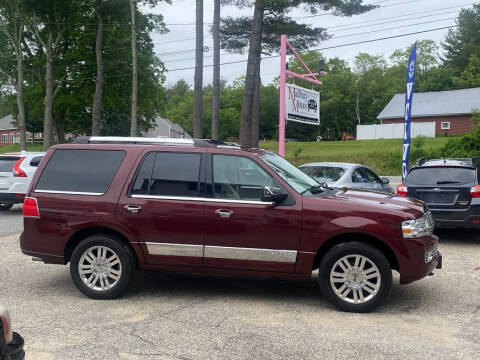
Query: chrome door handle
(223, 213)
(134, 209)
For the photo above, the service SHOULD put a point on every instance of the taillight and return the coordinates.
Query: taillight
(17, 172)
(402, 190)
(475, 191)
(30, 208)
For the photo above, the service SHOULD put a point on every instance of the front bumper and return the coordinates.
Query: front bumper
(423, 258)
(14, 350)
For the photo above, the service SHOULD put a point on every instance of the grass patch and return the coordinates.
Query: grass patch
(384, 156)
(16, 148)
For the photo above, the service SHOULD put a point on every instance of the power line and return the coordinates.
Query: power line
(328, 47)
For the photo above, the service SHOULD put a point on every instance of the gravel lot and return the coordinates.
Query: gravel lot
(183, 316)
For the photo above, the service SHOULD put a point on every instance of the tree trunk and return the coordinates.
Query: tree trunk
(216, 70)
(97, 98)
(198, 77)
(357, 110)
(60, 126)
(254, 52)
(256, 107)
(48, 102)
(133, 128)
(19, 88)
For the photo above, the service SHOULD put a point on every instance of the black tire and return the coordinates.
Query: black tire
(5, 206)
(383, 280)
(126, 266)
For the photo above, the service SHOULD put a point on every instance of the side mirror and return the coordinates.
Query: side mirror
(385, 181)
(273, 194)
(35, 161)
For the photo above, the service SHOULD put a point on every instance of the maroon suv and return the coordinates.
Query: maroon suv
(110, 205)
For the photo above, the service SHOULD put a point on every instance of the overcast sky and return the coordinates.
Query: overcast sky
(394, 17)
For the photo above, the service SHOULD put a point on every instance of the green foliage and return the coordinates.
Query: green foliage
(467, 145)
(297, 152)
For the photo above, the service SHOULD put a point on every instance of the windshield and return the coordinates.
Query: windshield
(324, 173)
(293, 176)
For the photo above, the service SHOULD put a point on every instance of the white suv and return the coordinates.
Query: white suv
(16, 173)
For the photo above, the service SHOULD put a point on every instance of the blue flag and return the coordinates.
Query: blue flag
(408, 110)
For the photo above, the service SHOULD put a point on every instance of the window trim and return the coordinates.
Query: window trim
(445, 128)
(4, 138)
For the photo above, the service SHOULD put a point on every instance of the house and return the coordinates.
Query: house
(9, 133)
(166, 128)
(450, 110)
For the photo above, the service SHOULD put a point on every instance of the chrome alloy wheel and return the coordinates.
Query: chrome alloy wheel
(100, 268)
(355, 279)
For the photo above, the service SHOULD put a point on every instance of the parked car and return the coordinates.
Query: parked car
(353, 176)
(109, 205)
(450, 188)
(11, 343)
(16, 173)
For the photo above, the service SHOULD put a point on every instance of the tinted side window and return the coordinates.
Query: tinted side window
(176, 174)
(88, 171)
(237, 177)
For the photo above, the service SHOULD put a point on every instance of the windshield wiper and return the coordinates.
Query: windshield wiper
(447, 182)
(315, 189)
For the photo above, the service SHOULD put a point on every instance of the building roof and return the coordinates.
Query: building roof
(6, 123)
(440, 103)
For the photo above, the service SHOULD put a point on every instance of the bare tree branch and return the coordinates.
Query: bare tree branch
(5, 30)
(34, 26)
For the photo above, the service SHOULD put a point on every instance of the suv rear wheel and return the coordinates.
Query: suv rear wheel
(355, 277)
(101, 267)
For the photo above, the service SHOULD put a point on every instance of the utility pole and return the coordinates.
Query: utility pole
(198, 78)
(133, 126)
(216, 69)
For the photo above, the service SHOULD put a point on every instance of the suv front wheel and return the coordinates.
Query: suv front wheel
(355, 277)
(101, 267)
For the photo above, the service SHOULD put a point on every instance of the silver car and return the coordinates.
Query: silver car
(354, 176)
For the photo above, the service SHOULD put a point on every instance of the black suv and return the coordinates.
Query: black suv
(450, 188)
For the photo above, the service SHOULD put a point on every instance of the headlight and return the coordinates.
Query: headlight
(419, 227)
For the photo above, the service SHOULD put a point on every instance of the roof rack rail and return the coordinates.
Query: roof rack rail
(135, 140)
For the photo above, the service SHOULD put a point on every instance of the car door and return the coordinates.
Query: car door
(242, 232)
(164, 207)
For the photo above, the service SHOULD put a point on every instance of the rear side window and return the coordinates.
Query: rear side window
(169, 174)
(7, 162)
(85, 171)
(441, 176)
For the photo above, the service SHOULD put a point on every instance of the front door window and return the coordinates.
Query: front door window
(236, 177)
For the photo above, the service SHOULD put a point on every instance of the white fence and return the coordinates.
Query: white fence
(394, 131)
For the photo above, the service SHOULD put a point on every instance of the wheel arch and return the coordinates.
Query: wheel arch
(356, 237)
(81, 234)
